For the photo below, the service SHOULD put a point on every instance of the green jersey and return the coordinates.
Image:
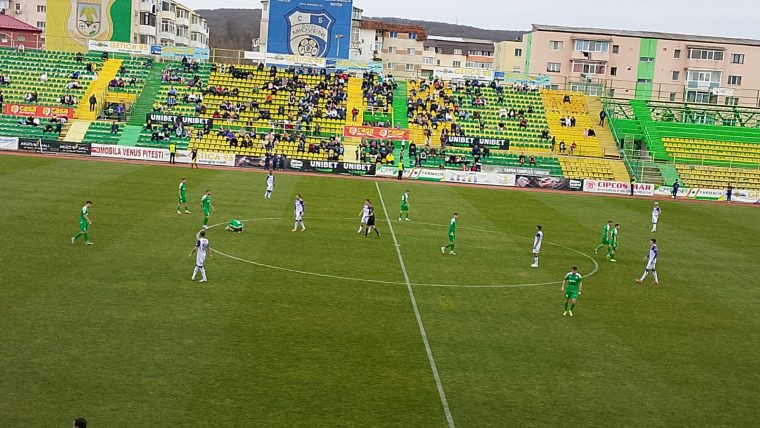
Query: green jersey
(573, 281)
(453, 227)
(83, 214)
(606, 233)
(404, 201)
(183, 192)
(206, 203)
(236, 224)
(614, 236)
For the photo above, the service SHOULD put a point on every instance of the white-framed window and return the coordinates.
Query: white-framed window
(518, 52)
(735, 80)
(355, 35)
(673, 96)
(409, 67)
(21, 38)
(646, 59)
(732, 101)
(556, 45)
(704, 76)
(413, 36)
(553, 67)
(613, 71)
(708, 54)
(167, 26)
(589, 68)
(480, 53)
(737, 59)
(676, 76)
(427, 60)
(393, 35)
(391, 49)
(41, 25)
(478, 64)
(616, 49)
(457, 52)
(677, 53)
(41, 8)
(411, 51)
(390, 66)
(456, 64)
(698, 97)
(182, 31)
(592, 46)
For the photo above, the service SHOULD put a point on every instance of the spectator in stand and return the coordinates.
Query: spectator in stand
(602, 116)
(2, 100)
(566, 99)
(532, 160)
(114, 128)
(572, 121)
(93, 102)
(521, 159)
(554, 144)
(572, 149)
(79, 57)
(43, 77)
(562, 147)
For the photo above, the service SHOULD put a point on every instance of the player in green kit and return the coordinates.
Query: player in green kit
(612, 249)
(235, 226)
(182, 196)
(572, 287)
(404, 215)
(452, 236)
(207, 207)
(606, 231)
(84, 224)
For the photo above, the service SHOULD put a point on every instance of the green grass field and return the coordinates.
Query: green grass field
(118, 333)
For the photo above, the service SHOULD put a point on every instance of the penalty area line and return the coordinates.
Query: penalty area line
(431, 360)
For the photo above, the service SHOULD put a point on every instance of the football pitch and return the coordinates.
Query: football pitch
(320, 328)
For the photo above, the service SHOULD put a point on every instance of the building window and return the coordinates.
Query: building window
(732, 101)
(165, 6)
(645, 80)
(646, 59)
(518, 52)
(390, 66)
(476, 64)
(41, 25)
(615, 49)
(735, 80)
(393, 35)
(589, 68)
(677, 53)
(480, 53)
(456, 64)
(167, 26)
(148, 19)
(737, 59)
(708, 54)
(427, 60)
(413, 36)
(457, 52)
(591, 46)
(673, 96)
(613, 71)
(556, 45)
(41, 8)
(21, 38)
(410, 51)
(182, 31)
(553, 67)
(676, 76)
(409, 67)
(391, 49)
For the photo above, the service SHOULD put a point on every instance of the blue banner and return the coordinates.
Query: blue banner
(316, 28)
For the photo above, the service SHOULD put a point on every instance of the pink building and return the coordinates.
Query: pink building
(647, 65)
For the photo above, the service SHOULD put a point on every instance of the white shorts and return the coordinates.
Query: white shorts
(199, 261)
(364, 219)
(270, 188)
(299, 216)
(536, 249)
(651, 264)
(654, 219)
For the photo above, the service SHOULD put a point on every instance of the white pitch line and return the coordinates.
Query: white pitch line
(431, 360)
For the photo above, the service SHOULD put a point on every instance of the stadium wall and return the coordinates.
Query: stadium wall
(71, 23)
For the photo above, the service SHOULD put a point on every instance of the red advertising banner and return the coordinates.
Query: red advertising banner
(38, 111)
(376, 133)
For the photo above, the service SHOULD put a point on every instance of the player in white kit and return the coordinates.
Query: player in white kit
(365, 216)
(270, 186)
(537, 245)
(201, 249)
(655, 216)
(651, 263)
(299, 210)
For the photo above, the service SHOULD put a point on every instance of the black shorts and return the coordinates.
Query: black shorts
(371, 221)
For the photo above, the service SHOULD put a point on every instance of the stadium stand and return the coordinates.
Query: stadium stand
(424, 97)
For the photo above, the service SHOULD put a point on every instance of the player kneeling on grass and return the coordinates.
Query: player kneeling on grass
(572, 286)
(235, 226)
(201, 249)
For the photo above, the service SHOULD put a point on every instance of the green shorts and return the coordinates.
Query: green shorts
(206, 213)
(182, 199)
(605, 242)
(404, 207)
(614, 246)
(452, 238)
(571, 293)
(83, 226)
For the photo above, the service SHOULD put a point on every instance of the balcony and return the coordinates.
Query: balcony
(590, 56)
(701, 85)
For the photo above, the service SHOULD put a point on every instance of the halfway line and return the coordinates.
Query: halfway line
(431, 360)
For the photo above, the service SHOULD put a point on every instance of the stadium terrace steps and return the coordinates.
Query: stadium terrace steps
(77, 131)
(98, 88)
(619, 171)
(400, 116)
(355, 100)
(603, 133)
(144, 104)
(654, 141)
(587, 168)
(669, 173)
(130, 135)
(578, 108)
(712, 177)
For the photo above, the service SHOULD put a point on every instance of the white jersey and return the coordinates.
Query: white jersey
(365, 213)
(201, 248)
(299, 209)
(655, 214)
(270, 182)
(652, 258)
(537, 241)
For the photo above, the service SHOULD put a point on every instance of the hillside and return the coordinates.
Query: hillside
(236, 28)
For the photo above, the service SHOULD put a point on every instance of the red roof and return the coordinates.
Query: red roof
(11, 23)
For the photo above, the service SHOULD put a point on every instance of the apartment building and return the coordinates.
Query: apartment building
(509, 56)
(647, 65)
(456, 52)
(400, 47)
(31, 12)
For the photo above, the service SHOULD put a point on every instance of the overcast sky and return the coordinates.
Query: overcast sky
(737, 18)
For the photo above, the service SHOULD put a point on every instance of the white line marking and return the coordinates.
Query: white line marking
(431, 360)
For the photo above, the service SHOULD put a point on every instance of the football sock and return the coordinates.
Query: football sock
(195, 272)
(77, 236)
(565, 305)
(295, 226)
(366, 232)
(654, 274)
(205, 221)
(86, 238)
(572, 306)
(535, 260)
(643, 277)
(359, 230)
(378, 232)
(203, 273)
